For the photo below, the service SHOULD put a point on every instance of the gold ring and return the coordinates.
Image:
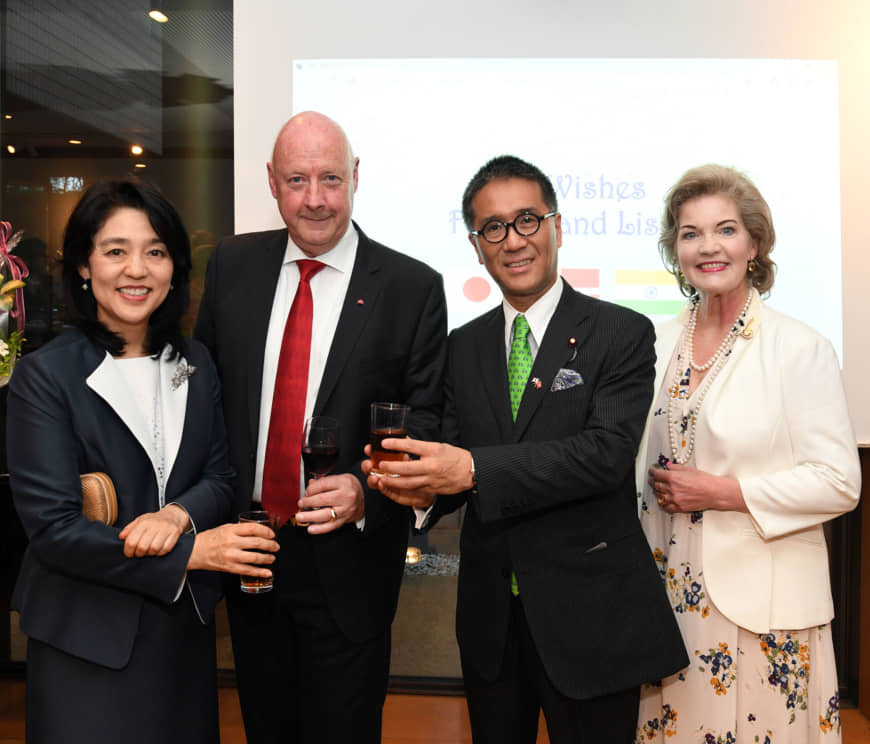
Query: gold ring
(332, 512)
(661, 500)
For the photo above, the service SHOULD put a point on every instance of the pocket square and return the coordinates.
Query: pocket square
(566, 379)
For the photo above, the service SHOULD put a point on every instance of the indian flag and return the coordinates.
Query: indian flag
(648, 292)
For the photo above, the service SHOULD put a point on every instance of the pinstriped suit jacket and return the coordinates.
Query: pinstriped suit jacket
(555, 501)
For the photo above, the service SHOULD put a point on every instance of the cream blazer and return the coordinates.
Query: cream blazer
(776, 419)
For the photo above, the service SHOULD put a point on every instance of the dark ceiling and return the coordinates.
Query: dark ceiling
(101, 71)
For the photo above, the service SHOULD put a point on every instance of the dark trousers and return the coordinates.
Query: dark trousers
(299, 678)
(506, 710)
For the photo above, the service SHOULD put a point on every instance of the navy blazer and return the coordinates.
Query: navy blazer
(76, 590)
(555, 500)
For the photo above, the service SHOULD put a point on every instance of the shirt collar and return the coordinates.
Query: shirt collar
(538, 315)
(340, 257)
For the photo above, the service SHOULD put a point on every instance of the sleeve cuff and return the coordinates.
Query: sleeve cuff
(421, 516)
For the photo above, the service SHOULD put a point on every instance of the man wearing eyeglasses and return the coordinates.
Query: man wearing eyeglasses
(560, 605)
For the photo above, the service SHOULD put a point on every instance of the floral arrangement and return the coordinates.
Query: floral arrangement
(13, 271)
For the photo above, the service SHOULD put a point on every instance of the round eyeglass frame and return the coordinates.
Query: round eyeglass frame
(513, 224)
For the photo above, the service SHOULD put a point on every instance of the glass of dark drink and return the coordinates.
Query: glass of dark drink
(320, 445)
(388, 420)
(319, 450)
(256, 584)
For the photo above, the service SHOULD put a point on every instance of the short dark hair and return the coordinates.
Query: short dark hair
(709, 180)
(501, 168)
(97, 204)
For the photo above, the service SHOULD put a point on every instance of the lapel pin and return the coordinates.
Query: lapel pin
(183, 372)
(572, 342)
(537, 383)
(360, 301)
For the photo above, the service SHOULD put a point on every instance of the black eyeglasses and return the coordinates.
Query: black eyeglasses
(526, 224)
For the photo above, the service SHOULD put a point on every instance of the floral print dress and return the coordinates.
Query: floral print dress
(739, 687)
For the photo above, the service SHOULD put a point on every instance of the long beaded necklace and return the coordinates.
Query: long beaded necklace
(727, 341)
(681, 427)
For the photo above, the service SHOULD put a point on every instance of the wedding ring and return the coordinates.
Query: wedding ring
(332, 512)
(661, 500)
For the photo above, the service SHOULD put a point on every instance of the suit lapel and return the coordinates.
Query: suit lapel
(554, 353)
(265, 269)
(362, 295)
(107, 382)
(493, 370)
(173, 395)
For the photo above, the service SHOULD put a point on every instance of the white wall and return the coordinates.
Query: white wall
(269, 34)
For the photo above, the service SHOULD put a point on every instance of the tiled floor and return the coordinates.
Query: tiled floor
(408, 719)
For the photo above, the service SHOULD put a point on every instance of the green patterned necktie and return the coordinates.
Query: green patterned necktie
(519, 369)
(519, 363)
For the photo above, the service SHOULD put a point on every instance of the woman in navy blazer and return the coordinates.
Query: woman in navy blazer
(120, 618)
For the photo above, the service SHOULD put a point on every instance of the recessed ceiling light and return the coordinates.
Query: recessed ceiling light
(74, 142)
(136, 149)
(140, 165)
(8, 116)
(10, 149)
(157, 15)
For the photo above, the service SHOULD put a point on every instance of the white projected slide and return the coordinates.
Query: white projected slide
(613, 135)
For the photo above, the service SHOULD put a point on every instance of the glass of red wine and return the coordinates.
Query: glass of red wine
(320, 445)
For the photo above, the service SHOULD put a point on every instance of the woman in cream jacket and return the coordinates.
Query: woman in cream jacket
(748, 450)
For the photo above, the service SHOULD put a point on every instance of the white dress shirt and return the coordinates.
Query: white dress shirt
(538, 316)
(328, 290)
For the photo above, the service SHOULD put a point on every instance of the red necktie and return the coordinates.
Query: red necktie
(281, 470)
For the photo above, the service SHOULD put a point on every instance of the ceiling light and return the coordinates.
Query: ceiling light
(8, 116)
(74, 142)
(158, 15)
(140, 165)
(136, 149)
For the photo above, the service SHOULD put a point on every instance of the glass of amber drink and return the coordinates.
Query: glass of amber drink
(256, 584)
(388, 420)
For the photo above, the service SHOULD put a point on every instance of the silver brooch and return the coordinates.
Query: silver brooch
(183, 372)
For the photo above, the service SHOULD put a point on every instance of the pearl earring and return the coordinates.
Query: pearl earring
(85, 285)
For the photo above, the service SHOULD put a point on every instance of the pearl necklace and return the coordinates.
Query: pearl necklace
(685, 424)
(727, 341)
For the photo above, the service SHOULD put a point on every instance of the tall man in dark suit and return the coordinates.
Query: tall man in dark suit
(312, 657)
(560, 605)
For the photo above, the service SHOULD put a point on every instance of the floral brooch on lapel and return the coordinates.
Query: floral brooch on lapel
(183, 372)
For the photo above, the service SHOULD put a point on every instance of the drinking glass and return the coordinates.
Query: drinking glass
(320, 445)
(319, 450)
(388, 420)
(256, 584)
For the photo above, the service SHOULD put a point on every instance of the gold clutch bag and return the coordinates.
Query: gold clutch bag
(99, 501)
